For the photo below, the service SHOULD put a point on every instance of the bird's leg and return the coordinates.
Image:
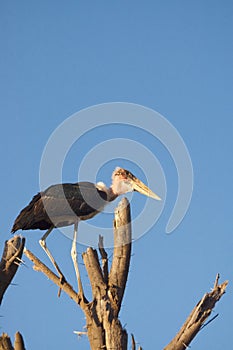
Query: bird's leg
(74, 258)
(42, 242)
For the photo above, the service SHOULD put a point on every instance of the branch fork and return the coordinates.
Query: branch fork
(103, 326)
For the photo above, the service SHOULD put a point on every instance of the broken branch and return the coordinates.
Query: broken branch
(197, 317)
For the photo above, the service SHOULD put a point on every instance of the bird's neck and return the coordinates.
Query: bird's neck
(119, 187)
(111, 194)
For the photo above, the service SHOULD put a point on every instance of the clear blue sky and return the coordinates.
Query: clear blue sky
(175, 57)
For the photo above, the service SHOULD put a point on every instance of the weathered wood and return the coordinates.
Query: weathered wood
(133, 342)
(104, 257)
(65, 286)
(108, 291)
(197, 317)
(103, 326)
(19, 343)
(104, 329)
(10, 262)
(5, 342)
(116, 336)
(122, 253)
(91, 261)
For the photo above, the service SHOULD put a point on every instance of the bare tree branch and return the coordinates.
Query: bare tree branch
(19, 343)
(108, 290)
(5, 342)
(133, 342)
(122, 253)
(10, 262)
(103, 326)
(104, 329)
(65, 286)
(197, 317)
(91, 261)
(104, 257)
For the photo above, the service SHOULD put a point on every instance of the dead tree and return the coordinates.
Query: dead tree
(104, 328)
(11, 259)
(5, 342)
(197, 318)
(10, 262)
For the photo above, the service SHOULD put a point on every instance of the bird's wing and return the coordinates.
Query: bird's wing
(60, 205)
(32, 216)
(81, 198)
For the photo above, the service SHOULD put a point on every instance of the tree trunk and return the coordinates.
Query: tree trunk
(196, 320)
(103, 326)
(108, 288)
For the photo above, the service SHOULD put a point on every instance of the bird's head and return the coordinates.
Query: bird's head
(124, 181)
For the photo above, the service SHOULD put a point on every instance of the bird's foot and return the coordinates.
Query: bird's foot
(62, 281)
(74, 254)
(43, 244)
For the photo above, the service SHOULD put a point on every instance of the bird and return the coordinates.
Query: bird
(66, 204)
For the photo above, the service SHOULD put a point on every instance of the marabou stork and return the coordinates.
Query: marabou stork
(66, 204)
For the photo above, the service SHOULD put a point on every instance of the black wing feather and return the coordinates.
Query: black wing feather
(60, 205)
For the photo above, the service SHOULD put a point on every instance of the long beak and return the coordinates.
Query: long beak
(139, 186)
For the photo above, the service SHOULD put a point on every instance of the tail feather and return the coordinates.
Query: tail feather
(23, 221)
(26, 219)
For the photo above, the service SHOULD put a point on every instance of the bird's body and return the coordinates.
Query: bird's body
(60, 205)
(66, 204)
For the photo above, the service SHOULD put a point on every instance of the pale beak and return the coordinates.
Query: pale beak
(139, 186)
